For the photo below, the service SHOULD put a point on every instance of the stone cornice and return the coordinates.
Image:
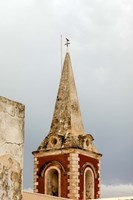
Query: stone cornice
(65, 151)
(14, 108)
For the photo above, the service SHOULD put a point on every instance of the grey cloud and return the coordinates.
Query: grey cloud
(116, 190)
(101, 48)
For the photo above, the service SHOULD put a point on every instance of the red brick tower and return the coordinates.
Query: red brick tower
(66, 164)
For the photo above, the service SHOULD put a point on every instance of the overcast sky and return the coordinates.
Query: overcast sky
(101, 50)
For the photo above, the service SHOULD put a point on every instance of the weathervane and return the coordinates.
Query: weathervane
(67, 42)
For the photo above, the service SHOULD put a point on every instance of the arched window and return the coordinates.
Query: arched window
(52, 181)
(88, 184)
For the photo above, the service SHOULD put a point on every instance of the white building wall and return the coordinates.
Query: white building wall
(11, 148)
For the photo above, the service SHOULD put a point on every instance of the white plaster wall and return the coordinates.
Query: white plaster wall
(11, 148)
(36, 196)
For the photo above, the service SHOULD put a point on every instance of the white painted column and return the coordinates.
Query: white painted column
(11, 148)
(73, 176)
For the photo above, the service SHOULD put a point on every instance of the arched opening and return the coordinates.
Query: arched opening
(52, 181)
(88, 184)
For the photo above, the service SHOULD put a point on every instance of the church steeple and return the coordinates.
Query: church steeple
(66, 164)
(67, 117)
(67, 128)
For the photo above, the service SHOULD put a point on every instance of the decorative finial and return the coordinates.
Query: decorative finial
(67, 42)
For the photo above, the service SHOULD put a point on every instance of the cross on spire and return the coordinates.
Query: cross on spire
(67, 42)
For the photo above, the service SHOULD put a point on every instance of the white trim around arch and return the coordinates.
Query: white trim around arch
(91, 186)
(59, 179)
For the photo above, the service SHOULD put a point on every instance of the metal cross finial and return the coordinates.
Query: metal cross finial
(67, 42)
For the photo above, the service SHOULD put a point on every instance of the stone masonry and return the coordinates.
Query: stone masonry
(73, 173)
(11, 149)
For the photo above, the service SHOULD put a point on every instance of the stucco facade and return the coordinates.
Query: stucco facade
(11, 148)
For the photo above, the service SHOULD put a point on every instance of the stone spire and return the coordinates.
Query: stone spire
(67, 128)
(67, 157)
(67, 116)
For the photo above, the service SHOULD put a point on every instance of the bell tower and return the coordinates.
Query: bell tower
(66, 164)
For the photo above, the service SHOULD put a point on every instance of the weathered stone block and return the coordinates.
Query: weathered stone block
(11, 149)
